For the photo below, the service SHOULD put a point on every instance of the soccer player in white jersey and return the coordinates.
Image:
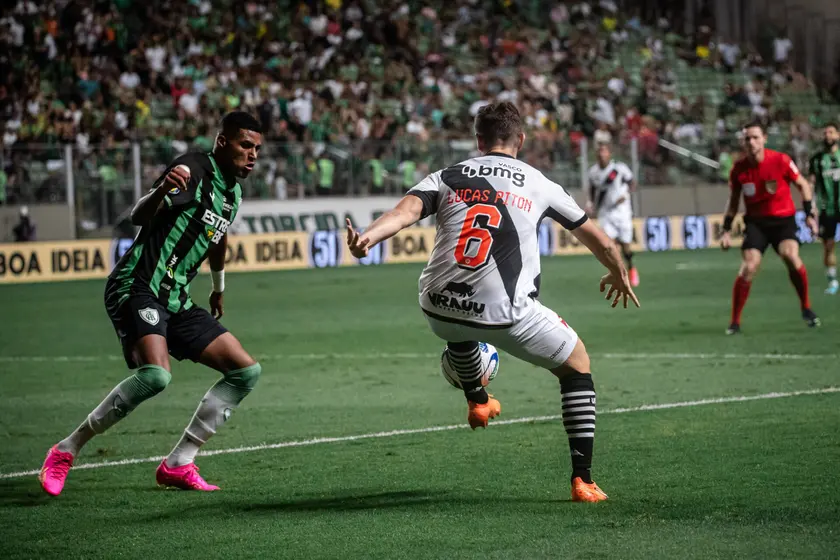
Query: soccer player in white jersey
(483, 277)
(610, 185)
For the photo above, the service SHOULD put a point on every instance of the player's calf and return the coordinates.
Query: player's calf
(147, 381)
(789, 251)
(830, 261)
(577, 390)
(214, 410)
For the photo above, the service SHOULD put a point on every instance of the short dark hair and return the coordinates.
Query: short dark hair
(235, 121)
(498, 123)
(833, 125)
(756, 124)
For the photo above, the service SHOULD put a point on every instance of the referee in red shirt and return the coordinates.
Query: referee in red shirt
(764, 176)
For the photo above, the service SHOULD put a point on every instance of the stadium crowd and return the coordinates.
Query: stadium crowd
(358, 94)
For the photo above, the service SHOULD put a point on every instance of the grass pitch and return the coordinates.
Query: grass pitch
(346, 352)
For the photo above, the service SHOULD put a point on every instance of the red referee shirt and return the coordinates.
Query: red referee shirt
(766, 185)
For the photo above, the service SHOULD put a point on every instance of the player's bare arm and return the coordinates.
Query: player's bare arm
(407, 213)
(807, 193)
(607, 253)
(147, 207)
(591, 193)
(729, 214)
(216, 257)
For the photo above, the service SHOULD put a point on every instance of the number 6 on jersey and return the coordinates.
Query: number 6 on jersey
(475, 241)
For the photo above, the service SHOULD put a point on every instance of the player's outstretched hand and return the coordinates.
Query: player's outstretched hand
(725, 241)
(358, 245)
(178, 177)
(619, 289)
(217, 305)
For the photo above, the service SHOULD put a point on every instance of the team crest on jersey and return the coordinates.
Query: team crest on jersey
(749, 189)
(174, 190)
(771, 186)
(150, 315)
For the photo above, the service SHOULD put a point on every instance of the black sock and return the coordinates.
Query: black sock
(465, 359)
(628, 258)
(578, 392)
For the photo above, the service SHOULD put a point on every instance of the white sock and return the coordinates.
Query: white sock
(831, 272)
(122, 399)
(213, 410)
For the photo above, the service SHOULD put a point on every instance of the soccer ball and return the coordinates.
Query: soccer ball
(489, 365)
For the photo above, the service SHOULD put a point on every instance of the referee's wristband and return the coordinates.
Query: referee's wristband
(217, 280)
(727, 223)
(808, 206)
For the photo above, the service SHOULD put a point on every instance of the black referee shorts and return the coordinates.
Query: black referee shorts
(761, 232)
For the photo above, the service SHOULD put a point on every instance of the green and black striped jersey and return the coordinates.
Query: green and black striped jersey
(168, 252)
(825, 167)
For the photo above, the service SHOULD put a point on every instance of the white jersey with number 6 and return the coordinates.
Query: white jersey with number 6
(484, 270)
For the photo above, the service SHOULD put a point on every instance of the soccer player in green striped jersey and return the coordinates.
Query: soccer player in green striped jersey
(825, 176)
(184, 220)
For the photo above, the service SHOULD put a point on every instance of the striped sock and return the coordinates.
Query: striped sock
(465, 359)
(578, 392)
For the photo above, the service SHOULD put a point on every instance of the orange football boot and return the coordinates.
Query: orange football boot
(583, 492)
(479, 414)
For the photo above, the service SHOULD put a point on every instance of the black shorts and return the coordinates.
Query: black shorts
(761, 232)
(828, 226)
(187, 333)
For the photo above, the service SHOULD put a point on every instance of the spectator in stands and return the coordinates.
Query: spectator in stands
(25, 228)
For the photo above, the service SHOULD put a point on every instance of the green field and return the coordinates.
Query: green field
(347, 352)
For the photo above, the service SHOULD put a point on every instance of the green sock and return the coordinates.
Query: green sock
(146, 382)
(213, 411)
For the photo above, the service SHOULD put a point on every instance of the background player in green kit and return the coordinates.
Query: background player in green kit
(184, 220)
(825, 176)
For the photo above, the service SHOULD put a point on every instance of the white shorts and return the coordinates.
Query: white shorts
(541, 338)
(618, 228)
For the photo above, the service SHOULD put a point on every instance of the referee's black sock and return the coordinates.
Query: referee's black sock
(628, 258)
(578, 392)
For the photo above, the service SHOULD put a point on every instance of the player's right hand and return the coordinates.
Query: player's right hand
(177, 178)
(619, 289)
(725, 241)
(358, 245)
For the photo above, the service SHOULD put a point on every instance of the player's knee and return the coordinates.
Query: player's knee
(244, 378)
(577, 362)
(155, 378)
(749, 268)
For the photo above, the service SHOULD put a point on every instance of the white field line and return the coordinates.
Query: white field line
(432, 429)
(424, 355)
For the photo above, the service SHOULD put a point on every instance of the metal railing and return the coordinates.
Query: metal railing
(99, 184)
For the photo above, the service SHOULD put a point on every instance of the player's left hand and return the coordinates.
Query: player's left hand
(217, 305)
(358, 245)
(811, 220)
(619, 288)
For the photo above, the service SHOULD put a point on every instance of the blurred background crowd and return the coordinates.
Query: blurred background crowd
(366, 96)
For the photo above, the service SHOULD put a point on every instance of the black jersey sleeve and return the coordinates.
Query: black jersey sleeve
(198, 164)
